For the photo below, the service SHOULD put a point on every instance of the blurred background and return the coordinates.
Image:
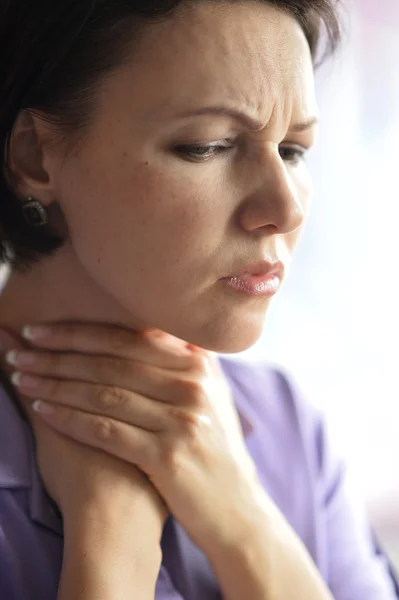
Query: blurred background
(335, 323)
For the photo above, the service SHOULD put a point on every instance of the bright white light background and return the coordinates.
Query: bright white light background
(335, 323)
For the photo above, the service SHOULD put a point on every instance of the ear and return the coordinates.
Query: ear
(30, 161)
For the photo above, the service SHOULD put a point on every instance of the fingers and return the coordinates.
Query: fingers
(129, 443)
(132, 376)
(169, 386)
(113, 402)
(152, 346)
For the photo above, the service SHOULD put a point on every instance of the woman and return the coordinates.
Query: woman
(153, 190)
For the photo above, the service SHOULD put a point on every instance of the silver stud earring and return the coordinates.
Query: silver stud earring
(34, 213)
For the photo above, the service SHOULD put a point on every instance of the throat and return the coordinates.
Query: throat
(56, 289)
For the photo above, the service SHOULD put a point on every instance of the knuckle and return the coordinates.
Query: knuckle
(107, 398)
(104, 431)
(148, 336)
(191, 391)
(193, 430)
(189, 432)
(185, 419)
(199, 364)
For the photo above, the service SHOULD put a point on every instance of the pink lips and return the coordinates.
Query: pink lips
(255, 285)
(262, 279)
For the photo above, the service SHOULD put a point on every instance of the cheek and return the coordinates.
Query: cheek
(133, 214)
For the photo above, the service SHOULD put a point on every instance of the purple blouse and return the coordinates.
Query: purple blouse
(287, 440)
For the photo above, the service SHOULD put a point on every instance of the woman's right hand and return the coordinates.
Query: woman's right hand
(77, 476)
(112, 514)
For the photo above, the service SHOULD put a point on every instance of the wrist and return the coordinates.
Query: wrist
(244, 521)
(115, 511)
(110, 554)
(265, 560)
(242, 562)
(113, 519)
(108, 558)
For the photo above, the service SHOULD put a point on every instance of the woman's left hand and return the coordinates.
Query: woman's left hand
(156, 402)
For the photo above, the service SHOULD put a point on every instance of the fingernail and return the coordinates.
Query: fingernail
(25, 381)
(35, 332)
(16, 378)
(193, 348)
(11, 357)
(43, 408)
(14, 357)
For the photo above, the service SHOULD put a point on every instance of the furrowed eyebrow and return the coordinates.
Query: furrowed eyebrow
(246, 119)
(305, 125)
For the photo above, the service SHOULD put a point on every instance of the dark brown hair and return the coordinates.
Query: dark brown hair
(54, 52)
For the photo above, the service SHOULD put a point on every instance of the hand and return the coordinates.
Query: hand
(77, 475)
(157, 403)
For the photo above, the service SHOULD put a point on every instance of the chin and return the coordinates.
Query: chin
(232, 336)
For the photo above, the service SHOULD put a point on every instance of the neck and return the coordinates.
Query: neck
(57, 290)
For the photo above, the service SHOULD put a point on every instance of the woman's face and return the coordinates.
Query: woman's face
(157, 225)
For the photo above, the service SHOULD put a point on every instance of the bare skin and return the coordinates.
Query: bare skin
(151, 232)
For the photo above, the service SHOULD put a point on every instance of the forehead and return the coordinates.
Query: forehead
(248, 52)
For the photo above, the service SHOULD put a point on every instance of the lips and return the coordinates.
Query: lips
(259, 279)
(260, 268)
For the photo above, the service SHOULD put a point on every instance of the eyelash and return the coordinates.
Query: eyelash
(296, 154)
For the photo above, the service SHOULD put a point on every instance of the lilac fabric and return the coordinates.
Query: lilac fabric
(287, 441)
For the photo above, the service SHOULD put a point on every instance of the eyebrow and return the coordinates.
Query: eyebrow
(249, 122)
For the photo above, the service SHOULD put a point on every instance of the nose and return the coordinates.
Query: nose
(273, 202)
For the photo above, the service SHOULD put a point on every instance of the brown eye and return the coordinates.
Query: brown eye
(292, 154)
(199, 152)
